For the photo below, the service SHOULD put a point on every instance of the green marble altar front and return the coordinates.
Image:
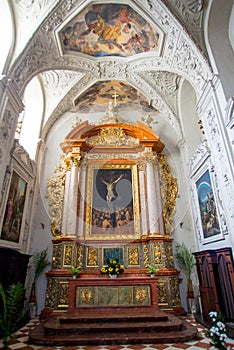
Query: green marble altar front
(113, 296)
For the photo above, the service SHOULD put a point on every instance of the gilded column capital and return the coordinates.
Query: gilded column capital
(151, 160)
(67, 162)
(141, 164)
(75, 161)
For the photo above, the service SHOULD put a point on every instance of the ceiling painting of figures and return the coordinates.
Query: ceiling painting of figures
(100, 94)
(109, 30)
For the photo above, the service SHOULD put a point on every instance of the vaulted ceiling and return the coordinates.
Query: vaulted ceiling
(85, 52)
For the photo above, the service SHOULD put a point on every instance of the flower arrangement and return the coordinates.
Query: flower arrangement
(75, 270)
(217, 332)
(152, 269)
(113, 267)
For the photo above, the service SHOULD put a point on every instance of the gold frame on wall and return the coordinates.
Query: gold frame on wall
(125, 232)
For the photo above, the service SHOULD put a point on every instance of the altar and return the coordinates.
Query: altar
(122, 293)
(112, 197)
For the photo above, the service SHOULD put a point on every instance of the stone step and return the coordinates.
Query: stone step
(90, 316)
(111, 337)
(55, 326)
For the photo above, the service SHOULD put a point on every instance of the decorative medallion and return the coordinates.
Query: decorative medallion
(141, 295)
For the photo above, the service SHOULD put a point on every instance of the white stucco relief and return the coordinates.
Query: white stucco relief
(176, 52)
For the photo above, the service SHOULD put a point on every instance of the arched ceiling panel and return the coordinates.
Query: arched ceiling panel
(100, 94)
(109, 30)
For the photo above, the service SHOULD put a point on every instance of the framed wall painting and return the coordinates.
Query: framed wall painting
(207, 208)
(14, 210)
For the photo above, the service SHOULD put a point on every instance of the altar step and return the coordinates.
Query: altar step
(112, 329)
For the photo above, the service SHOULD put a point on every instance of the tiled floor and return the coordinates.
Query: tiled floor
(21, 342)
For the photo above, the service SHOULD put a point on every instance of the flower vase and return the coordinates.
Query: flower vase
(152, 275)
(113, 276)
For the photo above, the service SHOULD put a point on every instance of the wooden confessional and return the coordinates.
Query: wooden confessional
(216, 282)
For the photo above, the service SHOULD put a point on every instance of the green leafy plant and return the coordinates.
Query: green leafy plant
(152, 270)
(11, 314)
(217, 332)
(186, 262)
(113, 267)
(75, 270)
(39, 262)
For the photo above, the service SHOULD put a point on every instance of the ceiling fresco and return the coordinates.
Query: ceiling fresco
(100, 94)
(109, 30)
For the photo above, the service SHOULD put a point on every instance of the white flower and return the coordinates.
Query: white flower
(220, 325)
(213, 314)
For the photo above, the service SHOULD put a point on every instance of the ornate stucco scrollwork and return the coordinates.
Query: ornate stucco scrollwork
(169, 192)
(55, 193)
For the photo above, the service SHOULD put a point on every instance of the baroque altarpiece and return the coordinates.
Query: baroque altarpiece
(112, 196)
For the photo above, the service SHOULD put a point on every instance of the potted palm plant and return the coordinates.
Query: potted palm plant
(186, 262)
(39, 262)
(12, 312)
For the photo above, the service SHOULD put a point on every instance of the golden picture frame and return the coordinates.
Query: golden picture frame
(112, 208)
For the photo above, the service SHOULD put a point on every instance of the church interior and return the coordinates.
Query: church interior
(116, 153)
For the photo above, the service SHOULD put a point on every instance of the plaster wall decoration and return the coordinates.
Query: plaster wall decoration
(35, 59)
(219, 201)
(6, 126)
(57, 84)
(157, 102)
(166, 84)
(179, 46)
(24, 11)
(190, 13)
(200, 156)
(230, 118)
(4, 188)
(39, 56)
(23, 158)
(217, 142)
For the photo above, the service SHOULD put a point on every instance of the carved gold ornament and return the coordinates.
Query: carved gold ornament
(169, 192)
(92, 256)
(55, 193)
(141, 295)
(86, 296)
(133, 253)
(112, 137)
